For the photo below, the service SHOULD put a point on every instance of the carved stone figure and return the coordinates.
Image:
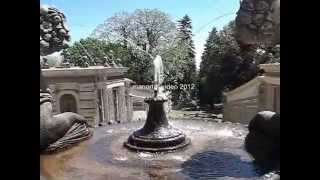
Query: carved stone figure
(54, 34)
(63, 130)
(258, 21)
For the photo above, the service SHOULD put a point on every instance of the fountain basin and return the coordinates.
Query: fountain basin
(216, 152)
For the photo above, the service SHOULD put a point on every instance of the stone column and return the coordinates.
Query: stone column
(109, 106)
(128, 102)
(105, 105)
(116, 107)
(122, 104)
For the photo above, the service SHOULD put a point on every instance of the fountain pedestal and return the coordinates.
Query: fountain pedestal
(157, 135)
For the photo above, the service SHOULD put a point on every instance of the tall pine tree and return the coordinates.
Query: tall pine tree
(210, 84)
(223, 66)
(186, 41)
(187, 66)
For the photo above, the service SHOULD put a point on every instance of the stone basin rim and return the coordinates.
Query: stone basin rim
(179, 147)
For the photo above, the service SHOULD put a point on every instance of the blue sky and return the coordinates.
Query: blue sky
(84, 15)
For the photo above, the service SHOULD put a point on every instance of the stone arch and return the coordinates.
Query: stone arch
(68, 101)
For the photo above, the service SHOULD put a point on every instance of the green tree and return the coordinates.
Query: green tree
(186, 42)
(145, 33)
(218, 45)
(226, 66)
(181, 68)
(235, 71)
(150, 30)
(92, 51)
(89, 50)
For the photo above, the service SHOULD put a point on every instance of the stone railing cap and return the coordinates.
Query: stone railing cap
(274, 67)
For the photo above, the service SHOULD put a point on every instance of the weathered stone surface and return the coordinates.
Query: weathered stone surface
(53, 31)
(92, 89)
(87, 95)
(87, 104)
(67, 86)
(258, 21)
(52, 128)
(66, 129)
(88, 112)
(87, 87)
(122, 103)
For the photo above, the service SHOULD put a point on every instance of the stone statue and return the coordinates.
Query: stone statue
(258, 22)
(54, 35)
(63, 130)
(263, 140)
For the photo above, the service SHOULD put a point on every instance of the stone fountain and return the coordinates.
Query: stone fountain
(157, 135)
(216, 152)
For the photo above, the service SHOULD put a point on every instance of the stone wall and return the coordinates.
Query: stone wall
(93, 90)
(88, 102)
(269, 99)
(244, 109)
(85, 95)
(241, 110)
(260, 94)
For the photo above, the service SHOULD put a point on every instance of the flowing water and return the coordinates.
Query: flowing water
(158, 76)
(216, 152)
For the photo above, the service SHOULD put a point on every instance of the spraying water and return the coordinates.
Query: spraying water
(158, 70)
(158, 77)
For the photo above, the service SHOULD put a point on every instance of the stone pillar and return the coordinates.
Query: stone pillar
(128, 102)
(109, 106)
(96, 117)
(105, 105)
(116, 107)
(122, 107)
(129, 108)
